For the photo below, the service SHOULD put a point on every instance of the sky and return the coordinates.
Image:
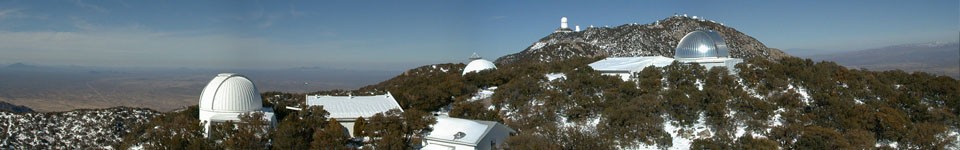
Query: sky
(398, 35)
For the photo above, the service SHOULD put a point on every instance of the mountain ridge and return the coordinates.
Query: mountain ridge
(941, 58)
(654, 39)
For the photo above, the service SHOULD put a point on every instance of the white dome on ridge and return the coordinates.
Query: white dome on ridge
(478, 64)
(229, 92)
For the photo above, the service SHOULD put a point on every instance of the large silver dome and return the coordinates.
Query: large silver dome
(702, 44)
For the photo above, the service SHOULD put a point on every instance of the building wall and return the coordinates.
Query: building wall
(349, 127)
(498, 135)
(731, 64)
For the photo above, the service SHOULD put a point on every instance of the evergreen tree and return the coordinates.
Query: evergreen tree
(252, 133)
(332, 137)
(358, 127)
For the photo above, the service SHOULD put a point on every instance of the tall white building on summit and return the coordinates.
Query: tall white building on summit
(564, 28)
(563, 22)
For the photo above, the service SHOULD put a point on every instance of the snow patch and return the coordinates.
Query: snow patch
(699, 85)
(955, 133)
(777, 119)
(538, 45)
(683, 137)
(805, 96)
(553, 76)
(483, 93)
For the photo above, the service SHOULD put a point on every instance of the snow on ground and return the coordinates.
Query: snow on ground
(743, 86)
(956, 141)
(776, 120)
(538, 45)
(678, 141)
(805, 96)
(441, 68)
(98, 128)
(683, 136)
(553, 76)
(483, 93)
(699, 85)
(137, 147)
(886, 143)
(590, 122)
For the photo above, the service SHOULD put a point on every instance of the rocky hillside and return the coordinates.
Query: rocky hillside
(654, 39)
(78, 129)
(790, 103)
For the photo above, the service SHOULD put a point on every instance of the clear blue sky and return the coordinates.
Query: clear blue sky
(399, 35)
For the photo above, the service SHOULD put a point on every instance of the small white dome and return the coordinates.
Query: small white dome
(478, 65)
(229, 92)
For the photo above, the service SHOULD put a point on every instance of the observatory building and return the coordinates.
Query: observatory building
(703, 47)
(563, 26)
(707, 48)
(455, 133)
(347, 109)
(478, 64)
(226, 97)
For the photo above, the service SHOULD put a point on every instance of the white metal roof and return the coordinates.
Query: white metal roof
(473, 131)
(630, 64)
(351, 107)
(229, 92)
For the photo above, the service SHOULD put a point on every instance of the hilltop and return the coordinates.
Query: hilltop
(654, 39)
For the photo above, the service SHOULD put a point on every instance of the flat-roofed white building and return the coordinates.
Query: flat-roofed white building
(346, 109)
(625, 66)
(458, 134)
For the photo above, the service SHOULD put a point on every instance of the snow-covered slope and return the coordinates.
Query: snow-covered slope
(78, 129)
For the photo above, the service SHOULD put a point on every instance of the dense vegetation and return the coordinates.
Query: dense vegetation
(305, 129)
(790, 103)
(845, 108)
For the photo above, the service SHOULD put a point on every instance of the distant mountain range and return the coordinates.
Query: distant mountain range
(45, 88)
(655, 39)
(942, 58)
(4, 106)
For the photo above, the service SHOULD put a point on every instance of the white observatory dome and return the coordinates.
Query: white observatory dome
(478, 64)
(229, 92)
